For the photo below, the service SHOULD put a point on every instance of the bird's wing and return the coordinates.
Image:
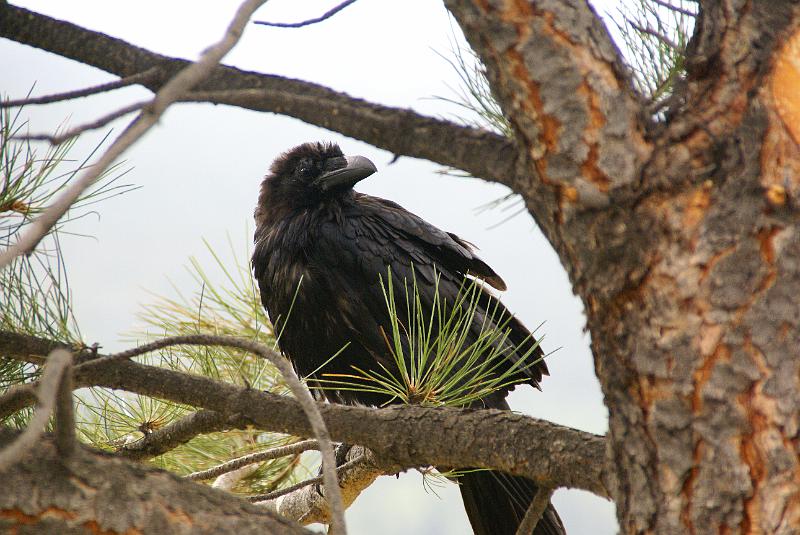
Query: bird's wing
(425, 242)
(374, 236)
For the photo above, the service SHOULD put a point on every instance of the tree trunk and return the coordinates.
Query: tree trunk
(681, 238)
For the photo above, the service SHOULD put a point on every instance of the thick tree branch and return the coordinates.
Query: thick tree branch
(404, 437)
(325, 16)
(562, 82)
(402, 132)
(105, 494)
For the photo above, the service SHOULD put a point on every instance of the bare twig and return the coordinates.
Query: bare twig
(272, 453)
(676, 9)
(300, 392)
(229, 480)
(65, 411)
(69, 95)
(297, 486)
(58, 361)
(328, 14)
(401, 437)
(57, 139)
(535, 511)
(649, 31)
(172, 91)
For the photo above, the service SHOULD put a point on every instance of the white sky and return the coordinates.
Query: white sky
(201, 167)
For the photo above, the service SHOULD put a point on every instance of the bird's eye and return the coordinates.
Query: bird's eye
(305, 169)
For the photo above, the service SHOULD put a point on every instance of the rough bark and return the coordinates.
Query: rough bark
(688, 271)
(98, 493)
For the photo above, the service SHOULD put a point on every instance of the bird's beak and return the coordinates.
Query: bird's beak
(357, 168)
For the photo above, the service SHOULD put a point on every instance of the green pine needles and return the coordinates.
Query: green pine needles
(438, 360)
(34, 289)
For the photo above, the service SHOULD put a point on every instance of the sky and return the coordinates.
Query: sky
(199, 170)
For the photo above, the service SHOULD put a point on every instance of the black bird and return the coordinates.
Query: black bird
(322, 256)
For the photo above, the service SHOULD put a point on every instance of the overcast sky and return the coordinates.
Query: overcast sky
(201, 166)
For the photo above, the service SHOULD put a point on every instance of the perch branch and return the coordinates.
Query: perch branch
(405, 437)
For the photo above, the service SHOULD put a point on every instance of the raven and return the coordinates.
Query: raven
(323, 253)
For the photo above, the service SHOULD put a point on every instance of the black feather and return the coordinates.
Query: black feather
(321, 257)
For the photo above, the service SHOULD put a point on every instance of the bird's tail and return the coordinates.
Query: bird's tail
(496, 504)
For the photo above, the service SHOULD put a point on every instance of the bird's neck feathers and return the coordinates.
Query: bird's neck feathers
(275, 207)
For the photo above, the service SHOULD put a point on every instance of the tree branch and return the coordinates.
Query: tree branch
(229, 480)
(275, 494)
(79, 93)
(106, 494)
(307, 506)
(658, 35)
(540, 501)
(260, 456)
(676, 9)
(100, 122)
(325, 16)
(297, 388)
(16, 398)
(404, 436)
(184, 80)
(57, 364)
(28, 348)
(402, 132)
(179, 432)
(66, 439)
(557, 74)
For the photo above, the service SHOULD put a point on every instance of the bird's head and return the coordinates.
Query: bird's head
(308, 174)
